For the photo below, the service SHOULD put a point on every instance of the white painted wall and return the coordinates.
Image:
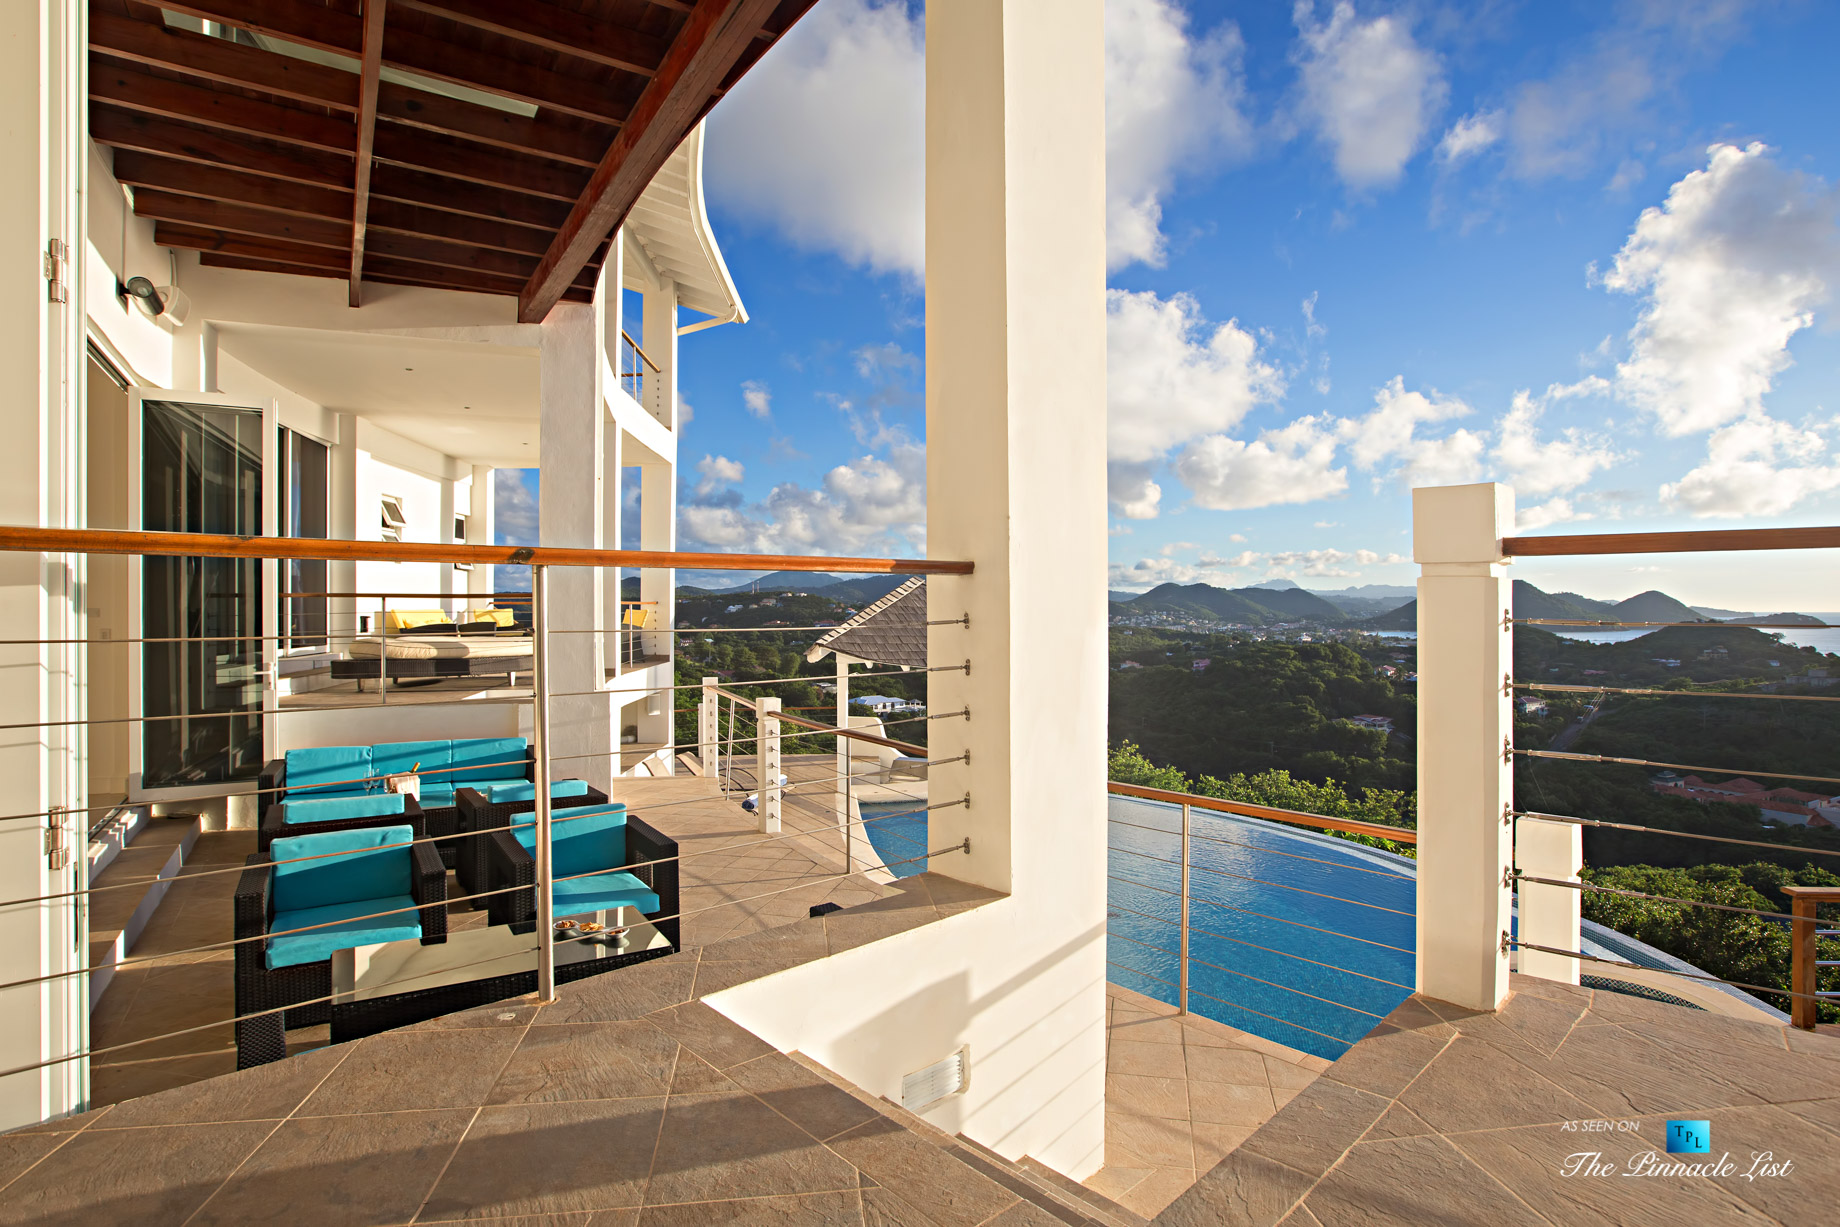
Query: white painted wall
(1016, 483)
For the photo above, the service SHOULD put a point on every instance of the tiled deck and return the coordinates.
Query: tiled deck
(1442, 1115)
(1180, 1092)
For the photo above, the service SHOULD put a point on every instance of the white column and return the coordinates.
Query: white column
(1549, 915)
(659, 340)
(658, 531)
(613, 513)
(843, 743)
(41, 369)
(709, 728)
(481, 529)
(1465, 778)
(573, 437)
(766, 765)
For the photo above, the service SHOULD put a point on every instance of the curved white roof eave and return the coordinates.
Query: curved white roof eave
(670, 225)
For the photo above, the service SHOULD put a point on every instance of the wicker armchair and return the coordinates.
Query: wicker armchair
(281, 970)
(648, 859)
(478, 814)
(275, 825)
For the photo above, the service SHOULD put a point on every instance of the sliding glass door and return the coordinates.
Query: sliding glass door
(202, 471)
(305, 471)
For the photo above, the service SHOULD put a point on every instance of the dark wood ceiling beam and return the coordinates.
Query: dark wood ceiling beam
(387, 272)
(420, 187)
(130, 87)
(147, 170)
(216, 59)
(243, 219)
(296, 21)
(201, 238)
(554, 28)
(124, 129)
(369, 73)
(418, 219)
(434, 113)
(416, 52)
(717, 35)
(478, 164)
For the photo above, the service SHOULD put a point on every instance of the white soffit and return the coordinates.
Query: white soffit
(670, 225)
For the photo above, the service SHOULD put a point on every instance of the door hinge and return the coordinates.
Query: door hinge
(57, 847)
(57, 264)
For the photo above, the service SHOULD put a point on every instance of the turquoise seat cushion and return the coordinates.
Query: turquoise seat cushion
(364, 867)
(401, 757)
(582, 839)
(603, 892)
(336, 809)
(526, 790)
(343, 931)
(336, 769)
(487, 758)
(436, 796)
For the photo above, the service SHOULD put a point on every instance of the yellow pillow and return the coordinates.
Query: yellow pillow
(399, 620)
(499, 617)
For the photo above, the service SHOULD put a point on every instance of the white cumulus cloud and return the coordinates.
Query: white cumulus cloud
(756, 398)
(874, 504)
(1387, 441)
(1756, 466)
(1294, 463)
(1537, 466)
(1731, 267)
(1470, 136)
(715, 472)
(1371, 91)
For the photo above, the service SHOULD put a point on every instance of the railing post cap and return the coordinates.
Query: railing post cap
(1461, 524)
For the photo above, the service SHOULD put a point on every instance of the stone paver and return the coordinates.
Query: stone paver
(1181, 1092)
(1445, 1115)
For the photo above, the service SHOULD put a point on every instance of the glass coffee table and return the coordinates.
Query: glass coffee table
(392, 984)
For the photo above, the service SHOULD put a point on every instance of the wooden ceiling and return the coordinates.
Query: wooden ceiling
(261, 159)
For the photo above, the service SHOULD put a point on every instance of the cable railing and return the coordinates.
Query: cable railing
(1548, 872)
(1257, 916)
(842, 846)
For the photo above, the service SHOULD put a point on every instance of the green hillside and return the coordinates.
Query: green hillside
(1253, 606)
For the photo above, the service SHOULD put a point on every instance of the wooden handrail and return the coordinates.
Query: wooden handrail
(904, 747)
(1401, 835)
(1804, 974)
(624, 336)
(1713, 541)
(211, 545)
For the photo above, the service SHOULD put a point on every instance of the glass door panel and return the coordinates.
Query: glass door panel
(202, 469)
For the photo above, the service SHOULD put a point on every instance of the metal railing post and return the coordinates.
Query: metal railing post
(540, 687)
(766, 764)
(383, 647)
(843, 824)
(1182, 971)
(709, 729)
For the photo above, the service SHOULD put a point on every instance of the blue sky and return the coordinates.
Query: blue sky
(1585, 248)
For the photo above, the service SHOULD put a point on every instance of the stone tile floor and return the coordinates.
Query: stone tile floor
(1444, 1115)
(734, 883)
(1182, 1091)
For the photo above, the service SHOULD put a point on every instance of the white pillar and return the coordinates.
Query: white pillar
(709, 728)
(658, 392)
(481, 529)
(766, 765)
(1549, 915)
(843, 743)
(658, 531)
(573, 437)
(1465, 778)
(1015, 401)
(613, 468)
(41, 372)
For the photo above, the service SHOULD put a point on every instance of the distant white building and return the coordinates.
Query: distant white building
(882, 704)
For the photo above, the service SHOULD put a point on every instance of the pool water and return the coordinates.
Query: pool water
(897, 832)
(1301, 938)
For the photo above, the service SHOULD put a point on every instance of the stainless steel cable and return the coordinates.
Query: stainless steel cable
(1268, 882)
(1633, 826)
(1215, 839)
(1643, 762)
(1677, 694)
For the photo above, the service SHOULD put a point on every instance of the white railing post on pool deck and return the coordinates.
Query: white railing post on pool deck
(540, 751)
(1182, 969)
(766, 715)
(1465, 770)
(709, 728)
(1549, 915)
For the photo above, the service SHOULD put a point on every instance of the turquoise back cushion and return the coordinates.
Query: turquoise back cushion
(526, 790)
(331, 767)
(487, 758)
(336, 809)
(400, 757)
(581, 840)
(367, 869)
